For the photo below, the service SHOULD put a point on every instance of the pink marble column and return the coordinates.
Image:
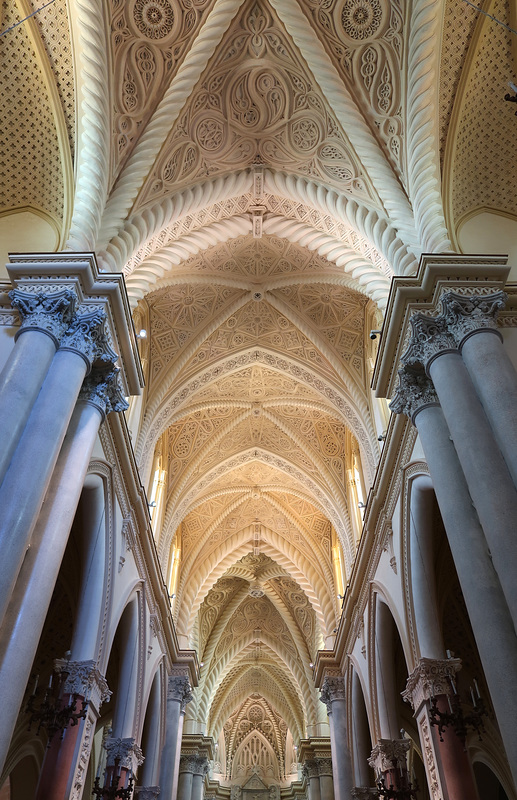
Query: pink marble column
(431, 678)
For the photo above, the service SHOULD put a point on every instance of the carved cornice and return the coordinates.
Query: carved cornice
(389, 754)
(49, 312)
(414, 393)
(431, 677)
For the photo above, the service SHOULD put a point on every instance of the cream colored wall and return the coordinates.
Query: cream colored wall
(491, 233)
(25, 232)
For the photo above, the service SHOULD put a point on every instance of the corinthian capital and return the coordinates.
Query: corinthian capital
(332, 688)
(126, 751)
(48, 312)
(86, 336)
(431, 677)
(147, 792)
(101, 388)
(414, 393)
(83, 678)
(473, 313)
(389, 754)
(430, 338)
(178, 688)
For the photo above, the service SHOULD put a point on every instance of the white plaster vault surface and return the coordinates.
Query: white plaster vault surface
(258, 170)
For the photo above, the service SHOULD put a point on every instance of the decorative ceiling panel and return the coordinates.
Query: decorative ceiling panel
(256, 103)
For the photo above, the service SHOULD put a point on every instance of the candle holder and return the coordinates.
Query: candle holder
(406, 790)
(112, 791)
(51, 714)
(456, 717)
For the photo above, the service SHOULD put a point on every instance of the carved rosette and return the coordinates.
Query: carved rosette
(147, 792)
(469, 314)
(126, 750)
(50, 313)
(178, 688)
(102, 389)
(333, 688)
(414, 393)
(389, 754)
(430, 338)
(84, 679)
(86, 336)
(431, 677)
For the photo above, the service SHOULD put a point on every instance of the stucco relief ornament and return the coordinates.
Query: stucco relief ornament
(414, 393)
(188, 763)
(430, 338)
(101, 388)
(311, 766)
(86, 336)
(361, 18)
(83, 678)
(389, 754)
(431, 677)
(324, 766)
(469, 314)
(50, 313)
(153, 18)
(332, 689)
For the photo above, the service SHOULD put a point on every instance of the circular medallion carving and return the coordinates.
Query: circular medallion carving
(153, 18)
(210, 134)
(361, 18)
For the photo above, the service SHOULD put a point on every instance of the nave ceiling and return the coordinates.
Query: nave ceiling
(259, 171)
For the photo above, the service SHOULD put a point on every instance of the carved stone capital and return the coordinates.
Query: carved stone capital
(50, 313)
(430, 338)
(83, 678)
(201, 766)
(178, 688)
(389, 754)
(126, 751)
(333, 688)
(414, 393)
(147, 792)
(431, 677)
(324, 766)
(188, 763)
(473, 313)
(364, 793)
(310, 768)
(102, 389)
(86, 336)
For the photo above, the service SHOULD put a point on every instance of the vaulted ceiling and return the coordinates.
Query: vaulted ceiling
(258, 169)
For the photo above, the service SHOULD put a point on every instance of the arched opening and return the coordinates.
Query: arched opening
(488, 784)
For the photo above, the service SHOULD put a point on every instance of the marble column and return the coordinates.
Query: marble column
(187, 766)
(333, 694)
(198, 777)
(57, 779)
(178, 696)
(487, 608)
(472, 321)
(27, 479)
(326, 780)
(389, 762)
(44, 319)
(361, 742)
(311, 773)
(432, 679)
(25, 616)
(490, 484)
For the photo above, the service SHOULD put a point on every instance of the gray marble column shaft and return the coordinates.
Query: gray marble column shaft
(489, 482)
(198, 778)
(178, 695)
(314, 788)
(488, 611)
(44, 318)
(495, 380)
(23, 623)
(333, 695)
(28, 476)
(185, 785)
